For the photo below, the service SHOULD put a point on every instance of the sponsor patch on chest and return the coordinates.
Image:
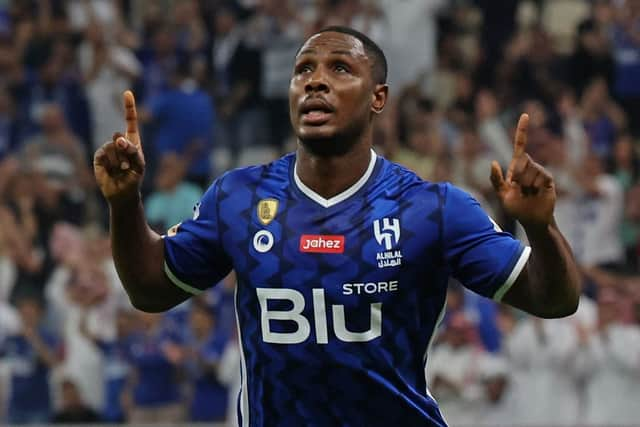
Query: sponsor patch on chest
(322, 243)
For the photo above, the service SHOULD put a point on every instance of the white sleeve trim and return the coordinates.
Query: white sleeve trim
(522, 261)
(179, 283)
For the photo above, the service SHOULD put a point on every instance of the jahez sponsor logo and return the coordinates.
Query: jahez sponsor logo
(325, 244)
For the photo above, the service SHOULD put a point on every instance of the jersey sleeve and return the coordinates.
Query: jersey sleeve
(477, 252)
(194, 257)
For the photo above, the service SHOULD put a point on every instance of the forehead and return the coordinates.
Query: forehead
(332, 42)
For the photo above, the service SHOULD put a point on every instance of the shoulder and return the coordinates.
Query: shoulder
(273, 173)
(397, 178)
(235, 190)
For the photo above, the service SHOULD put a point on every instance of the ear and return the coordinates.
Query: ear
(379, 98)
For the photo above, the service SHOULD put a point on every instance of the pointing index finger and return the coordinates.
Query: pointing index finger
(521, 136)
(131, 117)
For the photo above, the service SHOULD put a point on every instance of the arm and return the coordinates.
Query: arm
(138, 252)
(549, 285)
(47, 355)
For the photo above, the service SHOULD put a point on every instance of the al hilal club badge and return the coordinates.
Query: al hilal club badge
(267, 209)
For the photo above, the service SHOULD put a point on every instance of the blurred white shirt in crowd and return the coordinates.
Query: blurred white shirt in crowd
(104, 91)
(83, 360)
(498, 405)
(461, 367)
(598, 239)
(82, 12)
(611, 364)
(410, 45)
(541, 354)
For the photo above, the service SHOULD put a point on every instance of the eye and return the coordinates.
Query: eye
(341, 68)
(303, 68)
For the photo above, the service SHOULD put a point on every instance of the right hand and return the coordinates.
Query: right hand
(119, 165)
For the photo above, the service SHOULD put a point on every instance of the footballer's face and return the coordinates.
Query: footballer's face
(332, 95)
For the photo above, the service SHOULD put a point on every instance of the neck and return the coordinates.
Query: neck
(331, 175)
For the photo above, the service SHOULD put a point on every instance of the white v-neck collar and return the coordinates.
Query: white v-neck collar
(327, 203)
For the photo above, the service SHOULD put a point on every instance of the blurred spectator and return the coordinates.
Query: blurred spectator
(631, 228)
(473, 162)
(423, 147)
(173, 199)
(491, 129)
(624, 162)
(191, 36)
(592, 57)
(544, 383)
(499, 23)
(185, 120)
(576, 143)
(531, 68)
(159, 59)
(453, 374)
(31, 353)
(626, 54)
(278, 32)
(56, 152)
(480, 311)
(599, 214)
(73, 410)
(46, 81)
(153, 394)
(237, 71)
(83, 14)
(410, 44)
(9, 131)
(108, 69)
(115, 364)
(82, 286)
(206, 346)
(498, 406)
(25, 244)
(601, 116)
(609, 357)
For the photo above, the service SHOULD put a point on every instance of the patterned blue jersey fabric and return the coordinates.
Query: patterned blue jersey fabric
(337, 300)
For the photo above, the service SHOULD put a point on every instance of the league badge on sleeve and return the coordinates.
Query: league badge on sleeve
(267, 209)
(173, 230)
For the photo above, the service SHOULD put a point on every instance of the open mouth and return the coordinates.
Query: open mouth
(316, 111)
(316, 117)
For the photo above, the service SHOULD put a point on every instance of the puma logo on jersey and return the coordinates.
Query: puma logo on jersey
(328, 244)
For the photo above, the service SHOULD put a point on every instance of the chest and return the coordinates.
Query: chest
(345, 258)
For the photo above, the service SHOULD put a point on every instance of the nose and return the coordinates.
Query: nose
(316, 83)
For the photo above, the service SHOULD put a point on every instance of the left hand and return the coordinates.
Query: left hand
(528, 193)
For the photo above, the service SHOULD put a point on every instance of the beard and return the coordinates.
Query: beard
(338, 144)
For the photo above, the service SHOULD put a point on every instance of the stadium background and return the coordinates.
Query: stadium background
(211, 81)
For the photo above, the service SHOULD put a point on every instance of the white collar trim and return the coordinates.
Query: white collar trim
(327, 203)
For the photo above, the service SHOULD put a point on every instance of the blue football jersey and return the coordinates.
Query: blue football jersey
(338, 299)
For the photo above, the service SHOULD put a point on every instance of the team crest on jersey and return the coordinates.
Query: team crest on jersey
(387, 234)
(267, 209)
(173, 230)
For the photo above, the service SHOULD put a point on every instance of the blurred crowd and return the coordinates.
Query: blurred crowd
(211, 80)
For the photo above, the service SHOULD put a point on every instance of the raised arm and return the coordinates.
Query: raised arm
(138, 251)
(549, 285)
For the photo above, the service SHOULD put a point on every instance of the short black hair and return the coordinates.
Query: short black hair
(379, 66)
